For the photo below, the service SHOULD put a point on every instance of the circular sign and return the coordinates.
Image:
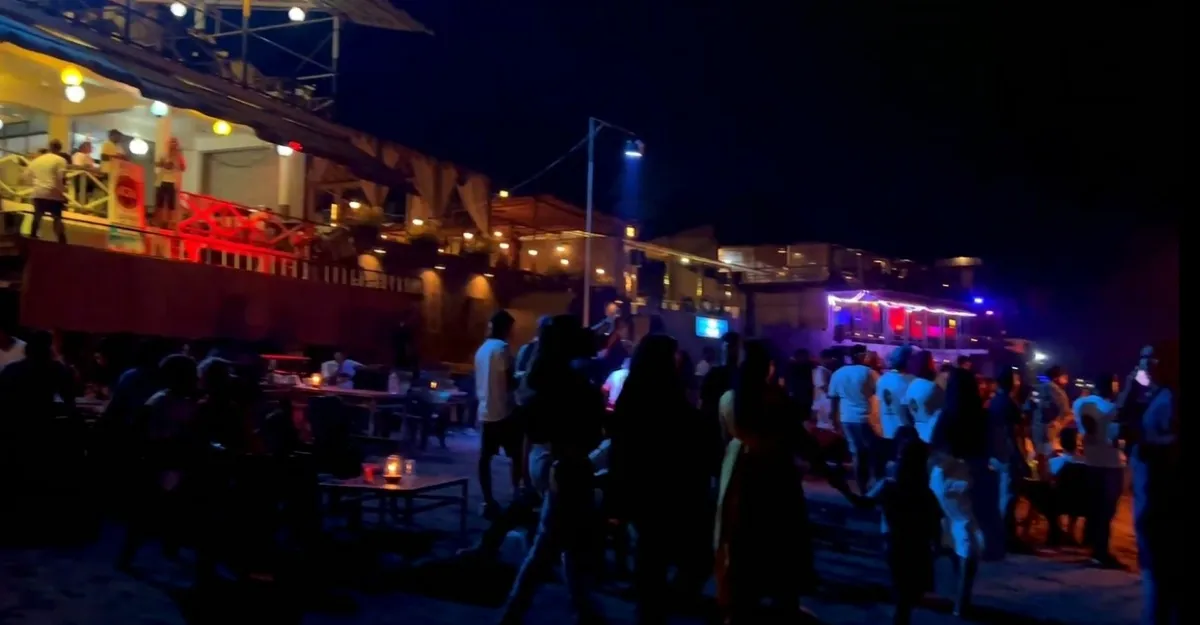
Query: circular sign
(128, 192)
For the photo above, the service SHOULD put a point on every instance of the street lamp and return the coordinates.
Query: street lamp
(633, 149)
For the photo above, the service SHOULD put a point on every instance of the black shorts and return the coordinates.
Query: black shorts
(504, 434)
(54, 208)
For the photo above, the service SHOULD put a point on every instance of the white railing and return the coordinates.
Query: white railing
(87, 189)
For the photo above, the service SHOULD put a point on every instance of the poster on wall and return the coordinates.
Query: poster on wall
(126, 208)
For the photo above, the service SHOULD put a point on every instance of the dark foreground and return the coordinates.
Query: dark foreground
(78, 586)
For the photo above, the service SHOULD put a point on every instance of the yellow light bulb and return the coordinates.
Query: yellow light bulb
(71, 76)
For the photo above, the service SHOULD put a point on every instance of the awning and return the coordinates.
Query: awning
(175, 91)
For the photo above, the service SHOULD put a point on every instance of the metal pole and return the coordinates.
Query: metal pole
(337, 52)
(587, 241)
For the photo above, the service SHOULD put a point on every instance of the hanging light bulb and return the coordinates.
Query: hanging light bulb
(355, 204)
(296, 14)
(159, 109)
(284, 150)
(138, 147)
(221, 128)
(71, 76)
(75, 93)
(178, 9)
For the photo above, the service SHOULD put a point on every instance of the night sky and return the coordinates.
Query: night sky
(1046, 139)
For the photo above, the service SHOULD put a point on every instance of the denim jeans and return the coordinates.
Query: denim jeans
(568, 529)
(865, 447)
(1106, 486)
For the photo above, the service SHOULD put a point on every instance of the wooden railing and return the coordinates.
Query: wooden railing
(87, 189)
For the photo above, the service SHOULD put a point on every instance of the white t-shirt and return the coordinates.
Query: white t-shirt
(492, 366)
(854, 386)
(114, 152)
(330, 370)
(79, 159)
(173, 174)
(1098, 448)
(14, 353)
(821, 407)
(891, 390)
(925, 399)
(47, 172)
(614, 384)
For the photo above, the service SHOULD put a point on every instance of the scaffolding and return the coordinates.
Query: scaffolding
(231, 38)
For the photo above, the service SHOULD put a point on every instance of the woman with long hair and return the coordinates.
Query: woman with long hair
(563, 413)
(660, 469)
(763, 543)
(957, 477)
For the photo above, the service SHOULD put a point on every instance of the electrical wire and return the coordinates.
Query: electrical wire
(552, 165)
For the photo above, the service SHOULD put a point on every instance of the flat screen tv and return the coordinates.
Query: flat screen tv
(711, 327)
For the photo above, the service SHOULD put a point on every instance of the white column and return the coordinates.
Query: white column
(290, 193)
(193, 176)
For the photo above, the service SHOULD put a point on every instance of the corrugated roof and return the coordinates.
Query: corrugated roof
(376, 13)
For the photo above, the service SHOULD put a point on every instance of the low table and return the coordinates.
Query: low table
(420, 493)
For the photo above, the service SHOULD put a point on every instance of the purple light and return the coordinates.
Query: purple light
(978, 300)
(989, 313)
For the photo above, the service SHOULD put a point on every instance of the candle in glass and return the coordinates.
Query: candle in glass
(315, 380)
(391, 470)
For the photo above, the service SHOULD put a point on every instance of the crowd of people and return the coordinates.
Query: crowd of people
(710, 483)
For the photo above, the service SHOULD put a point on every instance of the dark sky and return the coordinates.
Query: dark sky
(1036, 135)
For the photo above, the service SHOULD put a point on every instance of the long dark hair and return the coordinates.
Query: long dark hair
(961, 430)
(921, 365)
(556, 350)
(652, 377)
(752, 384)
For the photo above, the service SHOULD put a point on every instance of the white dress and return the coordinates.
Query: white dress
(949, 477)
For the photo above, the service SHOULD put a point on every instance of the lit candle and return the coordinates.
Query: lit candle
(391, 470)
(315, 380)
(433, 385)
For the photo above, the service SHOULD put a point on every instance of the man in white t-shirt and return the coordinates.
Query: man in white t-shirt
(47, 173)
(1094, 414)
(852, 396)
(493, 389)
(891, 391)
(112, 151)
(340, 371)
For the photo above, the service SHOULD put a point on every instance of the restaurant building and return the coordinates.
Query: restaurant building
(818, 295)
(279, 207)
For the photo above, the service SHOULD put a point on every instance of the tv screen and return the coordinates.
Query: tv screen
(711, 327)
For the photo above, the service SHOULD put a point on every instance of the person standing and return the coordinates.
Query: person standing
(852, 392)
(112, 151)
(1093, 416)
(47, 173)
(562, 412)
(493, 390)
(890, 393)
(1052, 409)
(169, 172)
(1006, 452)
(525, 354)
(1148, 421)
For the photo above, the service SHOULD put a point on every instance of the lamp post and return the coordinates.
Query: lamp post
(633, 149)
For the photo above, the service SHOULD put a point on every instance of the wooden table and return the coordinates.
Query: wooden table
(419, 492)
(371, 400)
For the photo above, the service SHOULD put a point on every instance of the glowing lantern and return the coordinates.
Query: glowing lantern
(391, 470)
(159, 109)
(75, 93)
(221, 128)
(138, 147)
(71, 76)
(314, 379)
